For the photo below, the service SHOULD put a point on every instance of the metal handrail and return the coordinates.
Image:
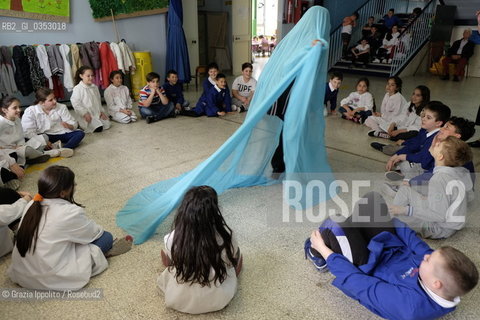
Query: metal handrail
(413, 38)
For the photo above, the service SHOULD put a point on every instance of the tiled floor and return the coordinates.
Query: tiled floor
(276, 281)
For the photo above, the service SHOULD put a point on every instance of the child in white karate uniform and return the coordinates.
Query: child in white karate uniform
(117, 97)
(87, 103)
(12, 137)
(58, 247)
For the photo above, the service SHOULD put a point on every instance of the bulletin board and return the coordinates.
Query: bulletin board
(123, 9)
(50, 10)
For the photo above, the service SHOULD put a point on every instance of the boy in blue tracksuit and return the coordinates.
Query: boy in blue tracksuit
(414, 158)
(174, 91)
(395, 274)
(217, 101)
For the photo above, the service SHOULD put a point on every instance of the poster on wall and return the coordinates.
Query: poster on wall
(49, 10)
(102, 10)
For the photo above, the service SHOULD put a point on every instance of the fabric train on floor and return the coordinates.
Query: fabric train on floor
(244, 159)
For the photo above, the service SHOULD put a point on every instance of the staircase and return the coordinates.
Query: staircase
(413, 38)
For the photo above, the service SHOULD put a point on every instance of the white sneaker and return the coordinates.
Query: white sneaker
(384, 61)
(234, 107)
(57, 145)
(376, 60)
(389, 61)
(325, 112)
(52, 153)
(66, 152)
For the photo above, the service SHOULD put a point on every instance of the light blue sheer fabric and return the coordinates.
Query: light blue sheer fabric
(244, 159)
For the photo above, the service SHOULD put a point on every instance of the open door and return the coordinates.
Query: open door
(190, 27)
(241, 34)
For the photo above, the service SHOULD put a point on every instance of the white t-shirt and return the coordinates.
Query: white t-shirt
(244, 88)
(362, 48)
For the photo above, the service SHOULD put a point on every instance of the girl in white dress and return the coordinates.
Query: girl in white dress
(87, 103)
(118, 99)
(202, 258)
(58, 247)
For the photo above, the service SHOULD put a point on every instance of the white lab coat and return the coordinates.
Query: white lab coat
(67, 68)
(119, 98)
(86, 99)
(118, 55)
(12, 139)
(8, 214)
(392, 109)
(44, 64)
(356, 100)
(127, 57)
(64, 257)
(35, 121)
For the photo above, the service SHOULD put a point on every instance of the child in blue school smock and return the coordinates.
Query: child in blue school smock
(383, 265)
(216, 102)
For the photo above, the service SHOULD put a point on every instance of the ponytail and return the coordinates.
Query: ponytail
(27, 234)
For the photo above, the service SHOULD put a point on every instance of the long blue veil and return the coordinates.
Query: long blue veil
(244, 159)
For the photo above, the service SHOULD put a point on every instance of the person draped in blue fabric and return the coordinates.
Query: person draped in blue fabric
(387, 268)
(244, 159)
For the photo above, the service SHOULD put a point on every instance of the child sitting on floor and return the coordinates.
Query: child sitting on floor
(387, 268)
(52, 119)
(331, 92)
(393, 107)
(12, 204)
(12, 137)
(359, 104)
(243, 88)
(87, 103)
(217, 102)
(62, 249)
(202, 258)
(414, 158)
(117, 97)
(442, 212)
(174, 91)
(154, 104)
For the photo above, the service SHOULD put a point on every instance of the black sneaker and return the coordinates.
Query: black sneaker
(371, 133)
(150, 119)
(377, 146)
(241, 109)
(42, 159)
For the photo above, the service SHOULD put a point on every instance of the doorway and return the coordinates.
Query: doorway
(264, 27)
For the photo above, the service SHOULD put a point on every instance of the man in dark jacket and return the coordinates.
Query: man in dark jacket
(459, 53)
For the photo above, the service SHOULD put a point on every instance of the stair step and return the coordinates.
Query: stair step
(362, 71)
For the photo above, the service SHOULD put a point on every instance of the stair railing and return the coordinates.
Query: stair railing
(413, 38)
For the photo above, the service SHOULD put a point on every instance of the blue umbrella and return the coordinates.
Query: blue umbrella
(177, 52)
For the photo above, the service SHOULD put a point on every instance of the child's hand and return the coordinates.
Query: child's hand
(160, 91)
(377, 114)
(220, 113)
(87, 117)
(25, 195)
(103, 116)
(406, 183)
(392, 162)
(397, 210)
(19, 172)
